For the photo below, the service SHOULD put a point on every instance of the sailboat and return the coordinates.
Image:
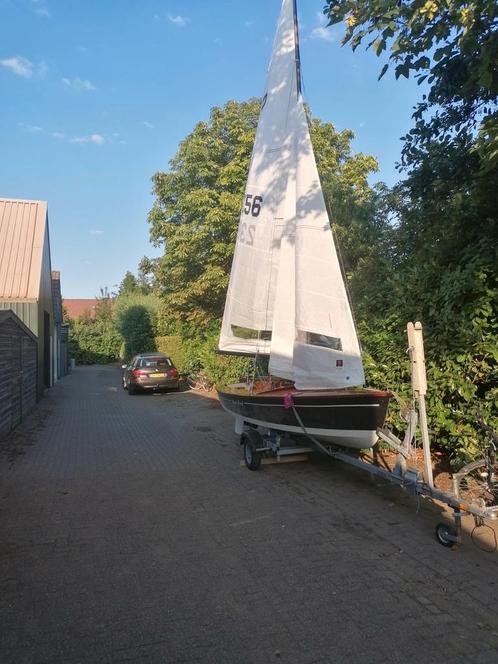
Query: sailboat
(287, 299)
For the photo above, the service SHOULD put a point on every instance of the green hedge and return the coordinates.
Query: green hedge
(93, 341)
(195, 354)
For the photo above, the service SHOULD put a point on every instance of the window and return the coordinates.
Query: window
(321, 340)
(248, 333)
(154, 363)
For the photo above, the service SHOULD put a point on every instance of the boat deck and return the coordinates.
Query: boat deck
(267, 390)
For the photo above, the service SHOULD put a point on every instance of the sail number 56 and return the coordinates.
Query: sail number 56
(252, 205)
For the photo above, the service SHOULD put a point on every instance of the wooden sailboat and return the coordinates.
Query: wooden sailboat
(287, 298)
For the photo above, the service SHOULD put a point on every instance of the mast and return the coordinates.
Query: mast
(298, 53)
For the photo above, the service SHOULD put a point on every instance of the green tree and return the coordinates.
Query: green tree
(128, 285)
(196, 210)
(135, 326)
(137, 322)
(452, 45)
(104, 306)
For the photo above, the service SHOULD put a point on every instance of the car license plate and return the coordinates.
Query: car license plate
(158, 375)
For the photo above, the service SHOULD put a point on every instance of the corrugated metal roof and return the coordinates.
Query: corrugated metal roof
(22, 234)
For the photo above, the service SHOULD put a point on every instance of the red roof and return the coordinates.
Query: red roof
(80, 307)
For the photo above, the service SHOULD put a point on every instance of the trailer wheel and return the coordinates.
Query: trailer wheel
(252, 440)
(445, 534)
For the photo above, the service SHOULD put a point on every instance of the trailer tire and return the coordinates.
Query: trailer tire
(252, 440)
(443, 534)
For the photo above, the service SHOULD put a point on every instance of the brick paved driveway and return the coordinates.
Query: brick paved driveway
(130, 533)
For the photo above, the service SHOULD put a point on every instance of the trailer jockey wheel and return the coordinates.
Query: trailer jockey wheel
(446, 535)
(252, 440)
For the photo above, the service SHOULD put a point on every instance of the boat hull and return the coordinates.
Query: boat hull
(349, 418)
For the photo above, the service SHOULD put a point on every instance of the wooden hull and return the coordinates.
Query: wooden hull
(349, 418)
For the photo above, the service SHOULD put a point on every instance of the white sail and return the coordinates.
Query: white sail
(326, 350)
(249, 309)
(284, 311)
(286, 295)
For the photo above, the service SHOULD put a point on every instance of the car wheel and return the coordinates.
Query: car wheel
(132, 389)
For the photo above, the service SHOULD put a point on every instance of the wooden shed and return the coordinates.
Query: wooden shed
(18, 370)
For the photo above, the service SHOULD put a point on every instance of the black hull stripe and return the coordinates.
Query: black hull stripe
(361, 416)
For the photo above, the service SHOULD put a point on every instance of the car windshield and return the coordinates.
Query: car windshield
(154, 363)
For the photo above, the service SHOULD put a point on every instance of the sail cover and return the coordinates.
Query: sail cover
(286, 296)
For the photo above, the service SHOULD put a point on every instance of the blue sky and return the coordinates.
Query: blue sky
(96, 95)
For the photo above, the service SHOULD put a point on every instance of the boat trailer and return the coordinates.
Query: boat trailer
(277, 445)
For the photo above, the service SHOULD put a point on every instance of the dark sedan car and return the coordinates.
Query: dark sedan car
(150, 371)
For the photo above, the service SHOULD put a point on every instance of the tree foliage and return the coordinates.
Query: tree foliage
(197, 206)
(128, 284)
(93, 341)
(136, 319)
(452, 45)
(122, 326)
(439, 257)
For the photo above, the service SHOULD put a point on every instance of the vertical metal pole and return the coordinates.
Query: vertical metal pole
(419, 388)
(426, 443)
(298, 53)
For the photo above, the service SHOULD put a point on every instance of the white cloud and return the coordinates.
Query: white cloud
(149, 125)
(97, 139)
(18, 65)
(322, 32)
(96, 232)
(40, 8)
(32, 129)
(58, 134)
(179, 21)
(78, 84)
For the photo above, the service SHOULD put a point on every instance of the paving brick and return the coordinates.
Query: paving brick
(129, 532)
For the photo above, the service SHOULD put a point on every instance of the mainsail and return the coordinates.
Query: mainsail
(286, 296)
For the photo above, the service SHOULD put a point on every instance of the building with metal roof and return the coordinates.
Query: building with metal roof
(61, 327)
(26, 277)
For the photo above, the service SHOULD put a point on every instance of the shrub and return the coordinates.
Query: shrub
(93, 341)
(136, 320)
